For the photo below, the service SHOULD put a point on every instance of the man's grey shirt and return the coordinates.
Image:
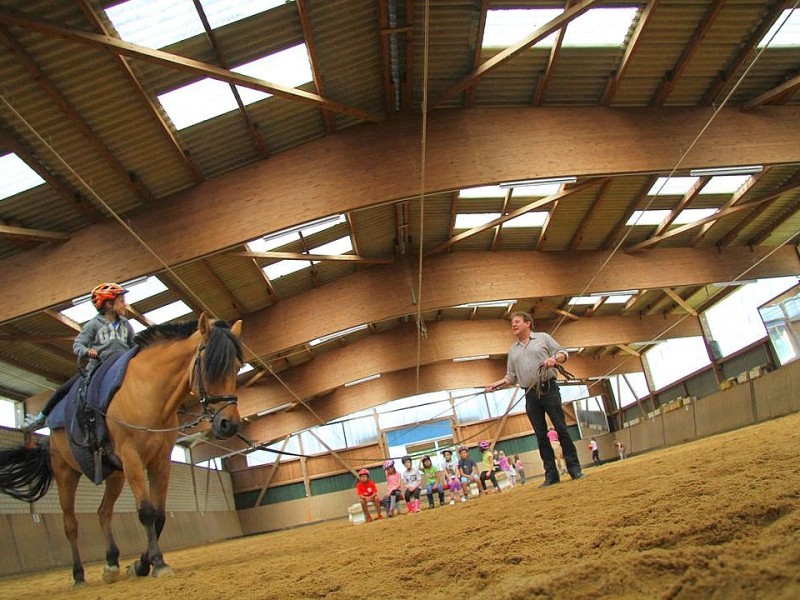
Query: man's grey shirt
(524, 361)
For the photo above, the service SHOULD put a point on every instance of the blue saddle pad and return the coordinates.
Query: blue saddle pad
(104, 383)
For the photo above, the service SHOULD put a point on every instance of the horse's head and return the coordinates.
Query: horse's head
(216, 366)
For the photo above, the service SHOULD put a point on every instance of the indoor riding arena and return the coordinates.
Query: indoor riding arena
(359, 299)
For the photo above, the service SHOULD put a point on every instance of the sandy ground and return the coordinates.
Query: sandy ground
(715, 518)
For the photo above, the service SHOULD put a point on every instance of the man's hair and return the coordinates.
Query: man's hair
(523, 315)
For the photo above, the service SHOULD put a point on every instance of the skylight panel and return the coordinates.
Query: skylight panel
(529, 219)
(537, 191)
(142, 290)
(16, 176)
(209, 98)
(786, 31)
(285, 267)
(137, 325)
(593, 299)
(485, 191)
(155, 23)
(656, 217)
(168, 313)
(159, 23)
(81, 312)
(727, 184)
(672, 186)
(471, 220)
(335, 248)
(507, 304)
(287, 236)
(598, 27)
(271, 242)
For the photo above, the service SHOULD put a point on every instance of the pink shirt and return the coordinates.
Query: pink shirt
(552, 435)
(393, 482)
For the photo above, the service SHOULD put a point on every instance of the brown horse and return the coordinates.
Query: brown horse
(200, 358)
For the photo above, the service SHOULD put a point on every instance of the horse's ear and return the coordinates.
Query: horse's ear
(203, 326)
(236, 328)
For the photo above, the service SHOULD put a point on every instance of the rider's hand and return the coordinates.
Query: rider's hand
(92, 353)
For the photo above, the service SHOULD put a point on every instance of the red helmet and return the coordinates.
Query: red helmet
(106, 291)
(483, 445)
(364, 472)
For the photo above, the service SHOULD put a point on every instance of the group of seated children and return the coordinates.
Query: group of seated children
(459, 474)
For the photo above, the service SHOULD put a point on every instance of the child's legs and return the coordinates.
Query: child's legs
(364, 507)
(484, 476)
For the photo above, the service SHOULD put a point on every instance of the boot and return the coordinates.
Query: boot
(416, 506)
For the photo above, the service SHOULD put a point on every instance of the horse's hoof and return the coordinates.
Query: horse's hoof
(111, 574)
(78, 584)
(164, 571)
(136, 570)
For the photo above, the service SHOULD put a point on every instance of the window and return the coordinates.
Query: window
(8, 413)
(168, 312)
(674, 359)
(628, 388)
(785, 32)
(656, 217)
(741, 307)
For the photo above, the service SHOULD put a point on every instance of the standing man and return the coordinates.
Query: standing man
(527, 354)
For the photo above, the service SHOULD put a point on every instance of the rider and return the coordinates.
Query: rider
(101, 336)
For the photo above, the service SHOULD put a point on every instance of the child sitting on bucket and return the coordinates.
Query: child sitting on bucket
(468, 471)
(432, 483)
(412, 480)
(450, 468)
(103, 335)
(367, 491)
(394, 489)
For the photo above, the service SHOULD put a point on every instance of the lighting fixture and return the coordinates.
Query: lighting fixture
(469, 358)
(338, 334)
(274, 409)
(546, 181)
(743, 170)
(362, 380)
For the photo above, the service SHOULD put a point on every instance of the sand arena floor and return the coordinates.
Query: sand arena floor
(715, 518)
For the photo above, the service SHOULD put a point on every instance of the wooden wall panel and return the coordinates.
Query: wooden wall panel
(724, 410)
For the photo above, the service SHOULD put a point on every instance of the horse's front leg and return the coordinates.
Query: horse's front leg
(114, 485)
(67, 480)
(158, 477)
(134, 475)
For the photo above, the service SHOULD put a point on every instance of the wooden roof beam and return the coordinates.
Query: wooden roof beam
(166, 130)
(37, 235)
(687, 198)
(611, 238)
(311, 47)
(508, 53)
(630, 50)
(732, 201)
(317, 257)
(777, 95)
(552, 58)
(680, 301)
(498, 229)
(563, 193)
(407, 85)
(180, 63)
(602, 193)
(689, 50)
(469, 93)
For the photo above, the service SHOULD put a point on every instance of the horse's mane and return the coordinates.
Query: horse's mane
(165, 332)
(222, 347)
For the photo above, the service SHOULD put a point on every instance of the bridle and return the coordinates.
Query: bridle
(207, 400)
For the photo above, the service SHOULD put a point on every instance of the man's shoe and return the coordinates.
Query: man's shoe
(578, 475)
(33, 422)
(548, 482)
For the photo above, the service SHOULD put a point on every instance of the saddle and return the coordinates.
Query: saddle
(82, 414)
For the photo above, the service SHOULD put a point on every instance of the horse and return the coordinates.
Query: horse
(198, 358)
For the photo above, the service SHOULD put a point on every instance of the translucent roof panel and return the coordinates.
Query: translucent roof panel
(168, 312)
(287, 236)
(16, 176)
(672, 186)
(209, 98)
(141, 290)
(726, 184)
(598, 27)
(484, 191)
(529, 219)
(285, 267)
(470, 220)
(591, 300)
(785, 32)
(159, 23)
(655, 217)
(80, 313)
(335, 248)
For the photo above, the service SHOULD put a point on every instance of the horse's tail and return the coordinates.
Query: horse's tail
(25, 472)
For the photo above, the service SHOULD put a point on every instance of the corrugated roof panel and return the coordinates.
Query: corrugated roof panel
(243, 278)
(221, 144)
(375, 230)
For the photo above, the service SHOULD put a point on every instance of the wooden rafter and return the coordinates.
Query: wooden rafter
(220, 285)
(317, 257)
(66, 321)
(507, 54)
(732, 201)
(69, 111)
(628, 350)
(38, 235)
(689, 50)
(653, 241)
(145, 97)
(180, 63)
(602, 193)
(723, 78)
(63, 189)
(734, 231)
(385, 56)
(632, 301)
(776, 95)
(311, 47)
(469, 95)
(515, 213)
(687, 199)
(566, 313)
(630, 50)
(611, 238)
(546, 225)
(767, 231)
(552, 58)
(252, 128)
(407, 89)
(498, 229)
(680, 301)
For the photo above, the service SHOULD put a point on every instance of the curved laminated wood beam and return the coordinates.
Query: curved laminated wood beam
(463, 277)
(358, 167)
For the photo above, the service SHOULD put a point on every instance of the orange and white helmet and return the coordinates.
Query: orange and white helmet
(106, 291)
